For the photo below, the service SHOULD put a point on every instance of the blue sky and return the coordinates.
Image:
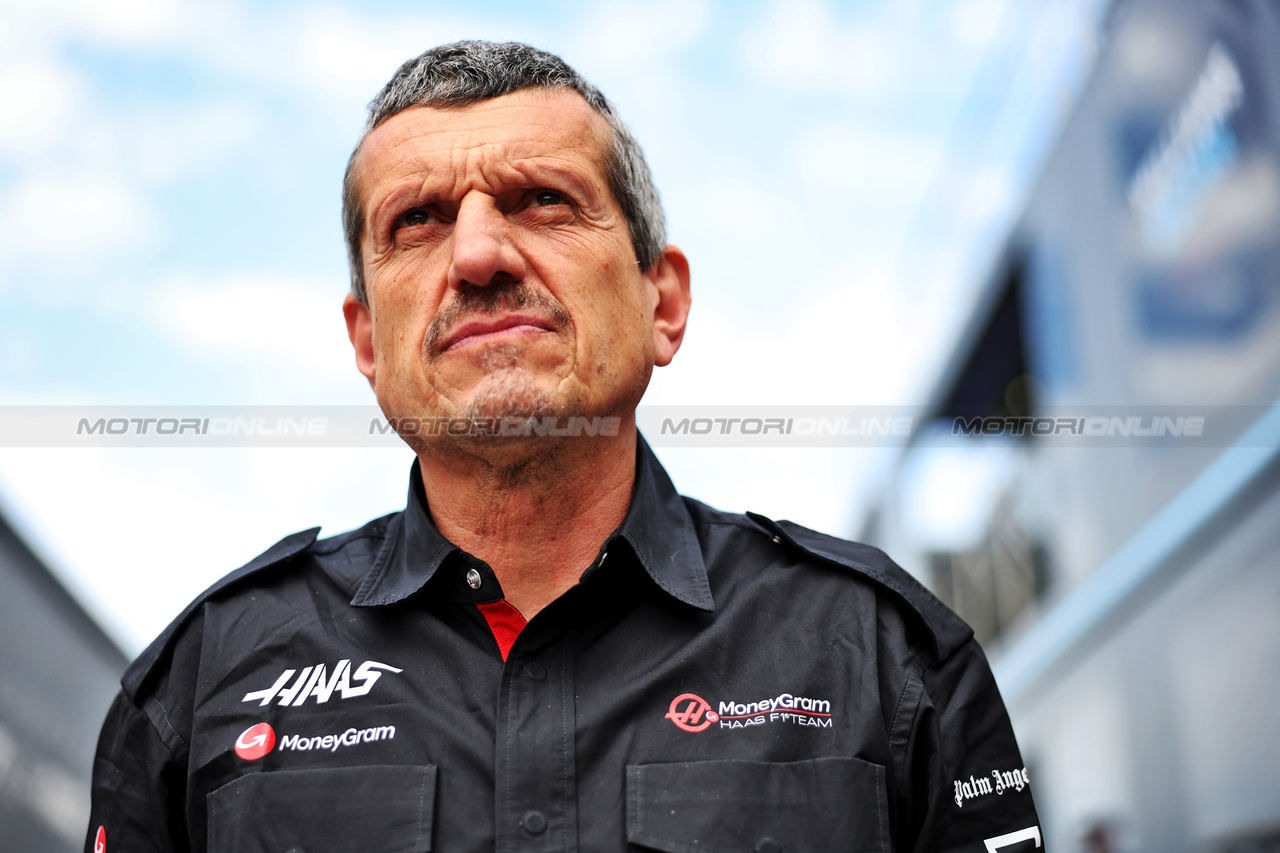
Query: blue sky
(838, 174)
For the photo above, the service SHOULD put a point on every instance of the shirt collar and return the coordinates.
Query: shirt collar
(657, 526)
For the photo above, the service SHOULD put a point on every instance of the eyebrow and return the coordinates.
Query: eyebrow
(418, 186)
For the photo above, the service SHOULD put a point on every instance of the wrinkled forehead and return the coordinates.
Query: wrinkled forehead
(527, 123)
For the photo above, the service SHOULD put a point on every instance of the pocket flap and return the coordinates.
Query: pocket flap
(822, 804)
(374, 809)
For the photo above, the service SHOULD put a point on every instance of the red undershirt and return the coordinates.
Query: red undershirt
(505, 622)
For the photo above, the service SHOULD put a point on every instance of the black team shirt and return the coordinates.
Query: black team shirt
(714, 682)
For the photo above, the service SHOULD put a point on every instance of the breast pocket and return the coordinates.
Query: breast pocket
(824, 804)
(377, 809)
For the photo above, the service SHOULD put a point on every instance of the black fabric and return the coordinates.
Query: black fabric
(723, 806)
(371, 809)
(713, 682)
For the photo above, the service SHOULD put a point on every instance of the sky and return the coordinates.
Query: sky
(839, 175)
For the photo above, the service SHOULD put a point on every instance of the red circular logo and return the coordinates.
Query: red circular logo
(255, 742)
(100, 842)
(691, 712)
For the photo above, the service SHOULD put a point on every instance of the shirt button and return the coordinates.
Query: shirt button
(473, 579)
(534, 822)
(768, 845)
(536, 671)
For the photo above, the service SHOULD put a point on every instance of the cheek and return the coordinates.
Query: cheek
(404, 272)
(403, 307)
(623, 341)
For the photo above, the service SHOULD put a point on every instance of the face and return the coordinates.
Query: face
(500, 272)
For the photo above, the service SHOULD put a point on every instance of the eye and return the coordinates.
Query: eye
(547, 198)
(415, 217)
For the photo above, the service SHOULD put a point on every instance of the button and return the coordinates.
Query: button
(777, 540)
(473, 579)
(536, 671)
(768, 845)
(534, 822)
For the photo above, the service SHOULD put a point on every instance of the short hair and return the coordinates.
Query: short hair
(465, 72)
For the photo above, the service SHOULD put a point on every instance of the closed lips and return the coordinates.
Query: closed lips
(478, 329)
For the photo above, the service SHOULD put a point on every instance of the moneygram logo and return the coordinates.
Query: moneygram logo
(333, 742)
(255, 742)
(691, 712)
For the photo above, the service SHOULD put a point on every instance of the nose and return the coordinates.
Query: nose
(483, 248)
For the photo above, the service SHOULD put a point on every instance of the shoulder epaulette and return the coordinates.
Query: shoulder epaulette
(136, 675)
(948, 630)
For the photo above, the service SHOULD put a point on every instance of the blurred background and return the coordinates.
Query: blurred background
(991, 212)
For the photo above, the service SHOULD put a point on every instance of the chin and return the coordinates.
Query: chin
(510, 394)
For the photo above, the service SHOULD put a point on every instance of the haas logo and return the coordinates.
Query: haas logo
(314, 682)
(100, 840)
(695, 715)
(254, 742)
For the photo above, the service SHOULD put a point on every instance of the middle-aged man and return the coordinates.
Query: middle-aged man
(548, 649)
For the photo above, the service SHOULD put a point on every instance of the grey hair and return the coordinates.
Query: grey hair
(462, 73)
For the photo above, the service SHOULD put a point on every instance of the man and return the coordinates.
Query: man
(549, 648)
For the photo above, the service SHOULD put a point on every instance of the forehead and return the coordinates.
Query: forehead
(558, 126)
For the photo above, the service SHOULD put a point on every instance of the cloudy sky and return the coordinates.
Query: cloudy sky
(838, 174)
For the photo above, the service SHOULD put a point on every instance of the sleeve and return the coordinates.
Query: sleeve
(138, 787)
(970, 791)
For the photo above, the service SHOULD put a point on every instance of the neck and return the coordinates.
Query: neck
(538, 519)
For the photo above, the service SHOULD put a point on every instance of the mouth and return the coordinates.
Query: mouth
(492, 329)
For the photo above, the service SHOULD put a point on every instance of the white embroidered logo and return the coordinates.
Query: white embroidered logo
(315, 682)
(1000, 781)
(332, 742)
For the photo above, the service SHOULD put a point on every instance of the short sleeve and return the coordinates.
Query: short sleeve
(969, 790)
(137, 787)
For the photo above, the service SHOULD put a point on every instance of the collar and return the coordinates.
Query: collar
(657, 527)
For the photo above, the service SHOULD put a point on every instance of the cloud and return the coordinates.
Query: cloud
(617, 35)
(870, 165)
(163, 146)
(342, 58)
(37, 98)
(119, 22)
(66, 219)
(145, 530)
(846, 346)
(799, 44)
(252, 316)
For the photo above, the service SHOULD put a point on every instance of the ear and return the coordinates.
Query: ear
(360, 330)
(670, 281)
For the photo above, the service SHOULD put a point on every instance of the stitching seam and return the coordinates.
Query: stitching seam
(906, 685)
(164, 712)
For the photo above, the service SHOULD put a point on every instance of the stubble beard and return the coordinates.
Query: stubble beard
(507, 391)
(507, 396)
